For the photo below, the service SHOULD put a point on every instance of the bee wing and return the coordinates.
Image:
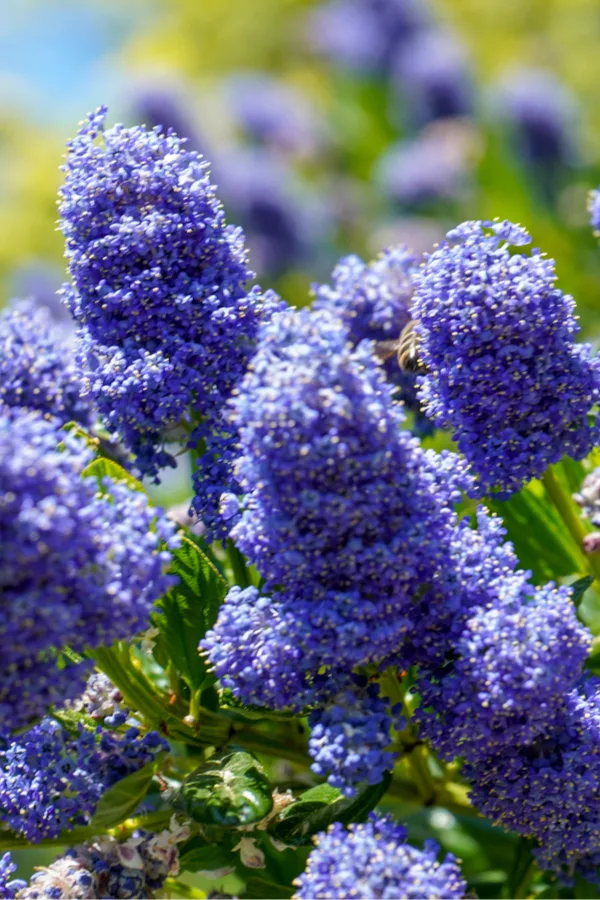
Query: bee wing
(385, 349)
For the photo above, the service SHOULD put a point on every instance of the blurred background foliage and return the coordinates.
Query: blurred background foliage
(332, 126)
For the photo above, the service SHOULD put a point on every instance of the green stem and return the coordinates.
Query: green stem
(195, 705)
(139, 693)
(238, 565)
(522, 888)
(156, 821)
(566, 509)
(174, 888)
(418, 755)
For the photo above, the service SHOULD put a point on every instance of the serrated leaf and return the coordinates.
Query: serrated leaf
(107, 468)
(189, 609)
(318, 807)
(579, 588)
(261, 889)
(230, 790)
(123, 798)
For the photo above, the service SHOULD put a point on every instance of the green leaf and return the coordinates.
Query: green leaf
(541, 539)
(230, 790)
(189, 609)
(107, 468)
(519, 878)
(260, 889)
(579, 588)
(318, 807)
(124, 797)
(211, 860)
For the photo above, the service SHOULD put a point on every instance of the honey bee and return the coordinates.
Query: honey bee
(406, 348)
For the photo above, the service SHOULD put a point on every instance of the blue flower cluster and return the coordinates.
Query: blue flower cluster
(372, 859)
(77, 567)
(500, 687)
(349, 735)
(9, 888)
(502, 369)
(158, 284)
(51, 781)
(373, 300)
(37, 364)
(549, 788)
(340, 508)
(346, 518)
(504, 692)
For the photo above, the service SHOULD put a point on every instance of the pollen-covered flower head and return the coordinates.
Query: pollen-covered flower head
(78, 567)
(502, 369)
(37, 364)
(373, 859)
(158, 281)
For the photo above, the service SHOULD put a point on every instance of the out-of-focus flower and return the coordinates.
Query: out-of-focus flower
(431, 78)
(77, 567)
(365, 35)
(435, 167)
(285, 224)
(162, 105)
(541, 113)
(37, 364)
(273, 113)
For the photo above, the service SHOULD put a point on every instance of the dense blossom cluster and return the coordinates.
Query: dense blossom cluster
(51, 781)
(549, 788)
(158, 283)
(77, 566)
(503, 371)
(373, 301)
(104, 867)
(37, 364)
(346, 518)
(340, 510)
(500, 689)
(373, 860)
